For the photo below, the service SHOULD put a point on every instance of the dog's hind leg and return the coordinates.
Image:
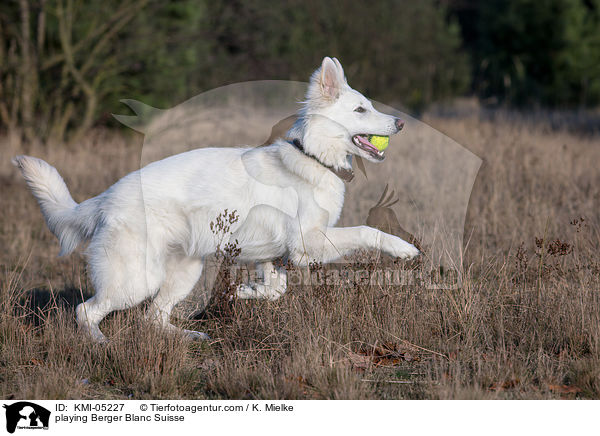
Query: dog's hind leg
(273, 286)
(181, 276)
(89, 315)
(92, 312)
(123, 275)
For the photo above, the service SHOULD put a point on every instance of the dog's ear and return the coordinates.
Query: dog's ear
(340, 70)
(330, 80)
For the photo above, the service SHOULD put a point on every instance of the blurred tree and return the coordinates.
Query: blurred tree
(164, 55)
(533, 52)
(396, 51)
(578, 66)
(64, 64)
(56, 60)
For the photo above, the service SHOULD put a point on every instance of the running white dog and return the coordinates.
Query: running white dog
(150, 231)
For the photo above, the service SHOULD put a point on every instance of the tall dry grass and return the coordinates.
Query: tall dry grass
(524, 323)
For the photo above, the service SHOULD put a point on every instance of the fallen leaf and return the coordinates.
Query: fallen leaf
(564, 389)
(502, 386)
(359, 361)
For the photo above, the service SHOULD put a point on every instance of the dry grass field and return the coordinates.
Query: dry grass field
(524, 324)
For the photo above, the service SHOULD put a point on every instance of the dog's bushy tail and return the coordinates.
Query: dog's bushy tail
(70, 222)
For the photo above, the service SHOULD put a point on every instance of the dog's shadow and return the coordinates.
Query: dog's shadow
(35, 305)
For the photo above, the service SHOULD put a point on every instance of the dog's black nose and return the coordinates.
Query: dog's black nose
(399, 124)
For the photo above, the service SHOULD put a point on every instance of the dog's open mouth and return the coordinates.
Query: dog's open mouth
(362, 142)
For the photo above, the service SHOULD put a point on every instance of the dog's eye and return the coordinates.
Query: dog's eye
(360, 109)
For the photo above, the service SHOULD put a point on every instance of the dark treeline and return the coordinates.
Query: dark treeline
(64, 64)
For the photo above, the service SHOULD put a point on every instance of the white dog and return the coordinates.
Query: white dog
(150, 231)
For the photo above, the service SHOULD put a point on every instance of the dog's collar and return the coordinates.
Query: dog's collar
(343, 173)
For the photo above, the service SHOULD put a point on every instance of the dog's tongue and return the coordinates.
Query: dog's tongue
(366, 142)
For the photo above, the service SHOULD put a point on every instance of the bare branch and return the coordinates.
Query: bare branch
(94, 33)
(28, 70)
(41, 28)
(126, 18)
(88, 90)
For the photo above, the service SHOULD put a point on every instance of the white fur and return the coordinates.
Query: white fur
(149, 232)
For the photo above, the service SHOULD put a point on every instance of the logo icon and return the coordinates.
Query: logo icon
(26, 415)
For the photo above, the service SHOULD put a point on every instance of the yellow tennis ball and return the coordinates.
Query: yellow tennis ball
(381, 142)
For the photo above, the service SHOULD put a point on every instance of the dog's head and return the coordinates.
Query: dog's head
(338, 120)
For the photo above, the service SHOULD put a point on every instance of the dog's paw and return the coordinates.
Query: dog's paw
(404, 250)
(246, 292)
(412, 252)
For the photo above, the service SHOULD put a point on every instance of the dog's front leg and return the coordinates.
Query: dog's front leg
(336, 242)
